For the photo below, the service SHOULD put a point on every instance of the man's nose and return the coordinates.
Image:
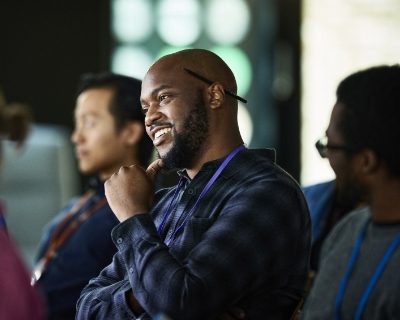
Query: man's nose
(153, 114)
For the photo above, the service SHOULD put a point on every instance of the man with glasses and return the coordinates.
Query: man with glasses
(233, 234)
(360, 258)
(328, 201)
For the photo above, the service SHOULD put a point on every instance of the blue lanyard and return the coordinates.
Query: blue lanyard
(3, 224)
(197, 203)
(374, 279)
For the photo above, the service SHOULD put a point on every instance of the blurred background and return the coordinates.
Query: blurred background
(288, 57)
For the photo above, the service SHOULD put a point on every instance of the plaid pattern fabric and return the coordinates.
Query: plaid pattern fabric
(247, 245)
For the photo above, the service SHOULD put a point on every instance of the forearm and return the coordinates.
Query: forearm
(97, 299)
(92, 304)
(190, 289)
(154, 273)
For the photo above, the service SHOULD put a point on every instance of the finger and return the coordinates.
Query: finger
(120, 171)
(154, 167)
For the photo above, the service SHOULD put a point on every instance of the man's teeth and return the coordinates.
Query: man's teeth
(159, 133)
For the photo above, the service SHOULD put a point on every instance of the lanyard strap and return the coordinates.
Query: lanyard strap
(197, 203)
(66, 228)
(58, 230)
(167, 212)
(374, 279)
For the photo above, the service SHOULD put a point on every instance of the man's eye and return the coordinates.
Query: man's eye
(162, 97)
(89, 123)
(144, 110)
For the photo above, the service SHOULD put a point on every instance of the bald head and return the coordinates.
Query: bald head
(201, 61)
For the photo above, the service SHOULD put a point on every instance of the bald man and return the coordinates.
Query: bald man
(233, 234)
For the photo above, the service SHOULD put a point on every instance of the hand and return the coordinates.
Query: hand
(233, 314)
(130, 191)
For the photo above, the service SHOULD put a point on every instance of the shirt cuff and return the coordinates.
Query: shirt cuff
(137, 228)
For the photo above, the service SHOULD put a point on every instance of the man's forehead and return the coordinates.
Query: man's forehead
(334, 129)
(165, 67)
(165, 76)
(155, 79)
(152, 84)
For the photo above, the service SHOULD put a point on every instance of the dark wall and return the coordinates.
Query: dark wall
(45, 46)
(287, 78)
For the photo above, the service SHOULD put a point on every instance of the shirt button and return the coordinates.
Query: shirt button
(119, 240)
(190, 191)
(130, 270)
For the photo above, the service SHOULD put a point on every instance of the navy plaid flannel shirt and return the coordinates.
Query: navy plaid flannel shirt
(247, 245)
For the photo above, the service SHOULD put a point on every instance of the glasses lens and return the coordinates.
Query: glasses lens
(321, 146)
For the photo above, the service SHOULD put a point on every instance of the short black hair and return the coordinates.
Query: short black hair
(371, 100)
(125, 104)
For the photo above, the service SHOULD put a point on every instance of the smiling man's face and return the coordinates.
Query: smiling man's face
(176, 115)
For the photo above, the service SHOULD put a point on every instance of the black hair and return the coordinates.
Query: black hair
(124, 106)
(371, 100)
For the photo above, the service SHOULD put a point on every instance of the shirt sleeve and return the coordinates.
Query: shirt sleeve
(105, 296)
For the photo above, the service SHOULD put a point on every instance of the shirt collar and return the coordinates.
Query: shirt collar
(213, 164)
(96, 184)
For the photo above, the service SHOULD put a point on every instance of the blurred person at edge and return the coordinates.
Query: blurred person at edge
(358, 274)
(328, 202)
(18, 300)
(76, 245)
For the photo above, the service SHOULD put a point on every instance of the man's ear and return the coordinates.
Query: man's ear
(369, 161)
(216, 95)
(133, 132)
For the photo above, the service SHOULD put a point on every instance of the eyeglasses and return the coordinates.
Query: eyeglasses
(200, 77)
(323, 147)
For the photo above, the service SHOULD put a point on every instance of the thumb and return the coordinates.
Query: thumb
(153, 168)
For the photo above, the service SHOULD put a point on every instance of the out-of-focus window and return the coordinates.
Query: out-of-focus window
(339, 37)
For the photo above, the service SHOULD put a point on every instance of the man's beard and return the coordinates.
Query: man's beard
(188, 144)
(351, 193)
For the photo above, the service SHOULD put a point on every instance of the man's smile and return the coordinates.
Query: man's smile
(161, 132)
